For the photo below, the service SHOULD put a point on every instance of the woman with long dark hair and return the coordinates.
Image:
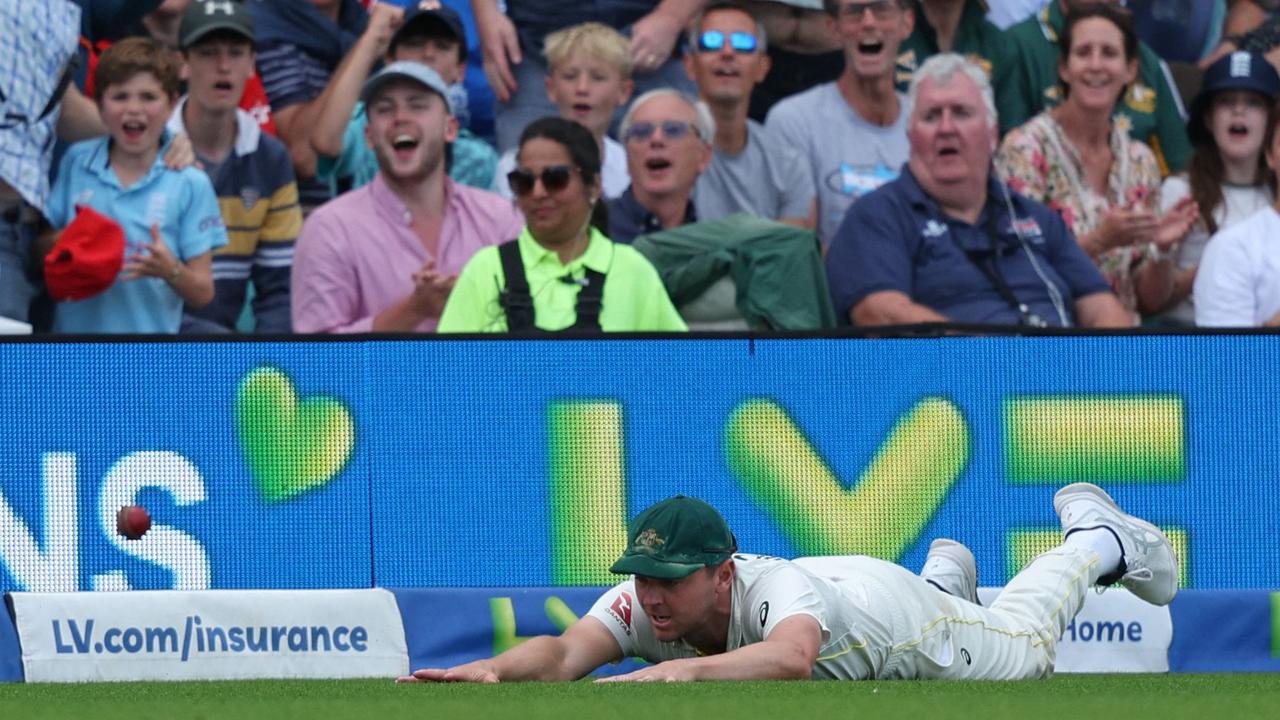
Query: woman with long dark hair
(562, 273)
(1227, 177)
(1238, 283)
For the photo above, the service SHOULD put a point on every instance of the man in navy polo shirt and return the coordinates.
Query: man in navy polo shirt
(948, 241)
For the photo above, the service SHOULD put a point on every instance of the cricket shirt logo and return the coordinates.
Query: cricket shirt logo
(621, 611)
(250, 197)
(764, 612)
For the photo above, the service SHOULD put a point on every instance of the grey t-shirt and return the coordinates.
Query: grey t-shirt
(767, 179)
(846, 156)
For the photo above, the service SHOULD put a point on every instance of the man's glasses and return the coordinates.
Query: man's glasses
(880, 9)
(713, 41)
(671, 129)
(553, 177)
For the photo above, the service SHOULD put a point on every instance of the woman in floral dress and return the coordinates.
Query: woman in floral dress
(1078, 159)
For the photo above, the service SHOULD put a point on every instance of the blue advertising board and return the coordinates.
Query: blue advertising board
(1213, 630)
(500, 463)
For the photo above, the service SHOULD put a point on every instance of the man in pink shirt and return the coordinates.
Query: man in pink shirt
(383, 258)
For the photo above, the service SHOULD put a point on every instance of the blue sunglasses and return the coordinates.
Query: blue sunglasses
(713, 41)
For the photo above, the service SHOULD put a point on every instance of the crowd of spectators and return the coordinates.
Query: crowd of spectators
(329, 166)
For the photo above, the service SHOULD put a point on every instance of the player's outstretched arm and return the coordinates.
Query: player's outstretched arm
(585, 646)
(789, 653)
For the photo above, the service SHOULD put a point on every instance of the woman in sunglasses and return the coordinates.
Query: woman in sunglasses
(562, 273)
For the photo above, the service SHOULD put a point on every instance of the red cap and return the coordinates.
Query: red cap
(87, 257)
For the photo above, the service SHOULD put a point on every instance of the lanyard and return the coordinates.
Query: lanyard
(995, 275)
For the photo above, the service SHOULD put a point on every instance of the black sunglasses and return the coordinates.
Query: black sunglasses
(553, 177)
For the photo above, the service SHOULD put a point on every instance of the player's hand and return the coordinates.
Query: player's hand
(480, 671)
(153, 260)
(500, 47)
(670, 671)
(181, 154)
(431, 290)
(653, 37)
(384, 20)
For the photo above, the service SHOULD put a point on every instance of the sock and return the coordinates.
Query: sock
(1102, 541)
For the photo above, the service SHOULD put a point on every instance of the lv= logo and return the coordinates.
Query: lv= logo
(1046, 440)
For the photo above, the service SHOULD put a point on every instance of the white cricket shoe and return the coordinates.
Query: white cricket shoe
(1149, 567)
(950, 567)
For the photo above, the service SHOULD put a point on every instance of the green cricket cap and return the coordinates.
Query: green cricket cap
(675, 537)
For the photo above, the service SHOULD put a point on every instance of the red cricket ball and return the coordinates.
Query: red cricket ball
(133, 521)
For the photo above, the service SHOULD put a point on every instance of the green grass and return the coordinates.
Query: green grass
(1123, 697)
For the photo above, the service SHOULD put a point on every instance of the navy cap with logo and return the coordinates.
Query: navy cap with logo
(1235, 71)
(419, 16)
(207, 16)
(672, 539)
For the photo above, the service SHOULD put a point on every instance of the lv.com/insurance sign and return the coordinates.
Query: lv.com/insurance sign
(209, 635)
(481, 463)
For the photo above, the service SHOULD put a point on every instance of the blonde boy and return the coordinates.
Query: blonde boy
(588, 79)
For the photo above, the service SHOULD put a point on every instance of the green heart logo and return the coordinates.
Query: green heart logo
(292, 446)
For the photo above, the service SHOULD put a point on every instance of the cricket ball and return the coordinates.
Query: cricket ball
(133, 521)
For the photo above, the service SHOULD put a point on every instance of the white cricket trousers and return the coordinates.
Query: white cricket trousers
(939, 637)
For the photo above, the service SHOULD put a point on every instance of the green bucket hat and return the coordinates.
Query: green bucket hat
(673, 538)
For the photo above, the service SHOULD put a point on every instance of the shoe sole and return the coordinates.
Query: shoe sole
(1076, 491)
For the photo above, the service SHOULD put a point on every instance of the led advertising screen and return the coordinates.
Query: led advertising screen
(503, 463)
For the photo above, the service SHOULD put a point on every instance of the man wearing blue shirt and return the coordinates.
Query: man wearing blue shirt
(948, 242)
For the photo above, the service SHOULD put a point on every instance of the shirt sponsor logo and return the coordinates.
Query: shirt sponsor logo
(156, 205)
(1141, 99)
(934, 229)
(764, 612)
(858, 180)
(250, 196)
(1027, 227)
(621, 611)
(210, 222)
